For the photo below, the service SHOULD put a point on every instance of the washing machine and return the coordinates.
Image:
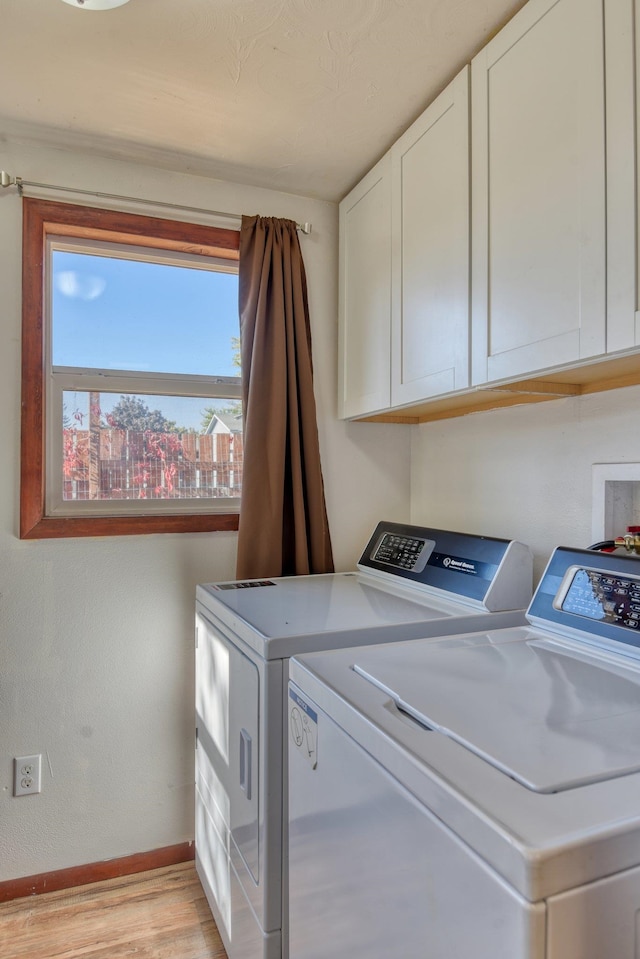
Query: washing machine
(477, 796)
(410, 581)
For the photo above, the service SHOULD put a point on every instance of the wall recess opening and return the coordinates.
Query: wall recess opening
(615, 499)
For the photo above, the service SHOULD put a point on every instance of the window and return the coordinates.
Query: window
(131, 417)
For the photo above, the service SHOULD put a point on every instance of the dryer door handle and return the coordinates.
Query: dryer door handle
(245, 763)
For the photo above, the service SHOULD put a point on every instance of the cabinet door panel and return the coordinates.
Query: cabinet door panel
(430, 265)
(365, 295)
(623, 87)
(539, 245)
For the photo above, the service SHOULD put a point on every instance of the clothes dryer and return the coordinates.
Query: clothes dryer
(410, 582)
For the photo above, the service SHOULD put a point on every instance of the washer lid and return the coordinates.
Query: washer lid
(549, 714)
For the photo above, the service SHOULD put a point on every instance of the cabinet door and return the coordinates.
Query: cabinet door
(430, 242)
(365, 295)
(623, 129)
(538, 191)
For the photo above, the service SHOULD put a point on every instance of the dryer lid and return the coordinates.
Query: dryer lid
(548, 714)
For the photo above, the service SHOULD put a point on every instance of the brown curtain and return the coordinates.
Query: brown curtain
(283, 520)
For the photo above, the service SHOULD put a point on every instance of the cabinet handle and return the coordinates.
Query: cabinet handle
(245, 762)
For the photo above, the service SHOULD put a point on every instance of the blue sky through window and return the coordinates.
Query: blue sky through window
(117, 314)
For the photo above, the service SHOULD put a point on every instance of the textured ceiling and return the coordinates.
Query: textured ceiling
(296, 95)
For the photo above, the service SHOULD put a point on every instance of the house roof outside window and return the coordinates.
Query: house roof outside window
(224, 423)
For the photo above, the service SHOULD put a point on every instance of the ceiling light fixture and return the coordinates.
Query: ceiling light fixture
(96, 4)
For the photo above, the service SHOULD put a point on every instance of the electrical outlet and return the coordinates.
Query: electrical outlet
(26, 775)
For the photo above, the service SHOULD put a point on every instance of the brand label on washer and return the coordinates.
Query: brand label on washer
(303, 728)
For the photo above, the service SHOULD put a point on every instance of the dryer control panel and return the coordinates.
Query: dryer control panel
(494, 573)
(403, 552)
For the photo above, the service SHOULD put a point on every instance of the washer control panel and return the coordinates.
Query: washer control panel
(595, 596)
(600, 595)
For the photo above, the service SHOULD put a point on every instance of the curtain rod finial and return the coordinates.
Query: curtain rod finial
(7, 180)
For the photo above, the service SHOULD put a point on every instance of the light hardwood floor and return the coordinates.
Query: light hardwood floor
(161, 914)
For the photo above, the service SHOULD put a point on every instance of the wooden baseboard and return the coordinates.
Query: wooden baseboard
(95, 871)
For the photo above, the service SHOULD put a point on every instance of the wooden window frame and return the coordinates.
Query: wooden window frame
(42, 218)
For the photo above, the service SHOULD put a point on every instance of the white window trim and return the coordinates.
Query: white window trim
(61, 378)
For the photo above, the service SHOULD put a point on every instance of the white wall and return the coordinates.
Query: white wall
(96, 635)
(524, 472)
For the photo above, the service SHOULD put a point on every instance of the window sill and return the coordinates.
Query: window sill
(46, 527)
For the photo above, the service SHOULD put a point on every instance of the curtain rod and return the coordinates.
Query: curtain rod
(6, 180)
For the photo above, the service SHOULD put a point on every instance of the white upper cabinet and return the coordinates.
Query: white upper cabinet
(504, 250)
(430, 250)
(538, 191)
(365, 295)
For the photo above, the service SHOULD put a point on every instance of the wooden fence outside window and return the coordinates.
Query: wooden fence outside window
(112, 464)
